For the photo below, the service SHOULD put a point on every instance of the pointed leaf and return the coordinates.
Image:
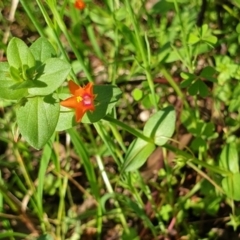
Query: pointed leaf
(137, 154)
(203, 89)
(208, 73)
(193, 38)
(162, 7)
(229, 159)
(198, 87)
(37, 119)
(51, 75)
(42, 50)
(161, 125)
(19, 55)
(231, 186)
(6, 83)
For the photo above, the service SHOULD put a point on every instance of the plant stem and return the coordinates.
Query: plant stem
(32, 17)
(184, 37)
(142, 51)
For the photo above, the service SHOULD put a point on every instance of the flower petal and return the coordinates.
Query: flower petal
(79, 4)
(79, 114)
(89, 89)
(70, 102)
(73, 86)
(82, 99)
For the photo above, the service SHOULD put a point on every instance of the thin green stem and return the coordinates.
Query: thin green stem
(141, 46)
(63, 28)
(55, 34)
(184, 37)
(110, 190)
(32, 189)
(32, 17)
(174, 85)
(133, 131)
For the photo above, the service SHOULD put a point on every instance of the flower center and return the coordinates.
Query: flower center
(85, 99)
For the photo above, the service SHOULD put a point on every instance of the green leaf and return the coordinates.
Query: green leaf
(50, 76)
(101, 18)
(189, 120)
(106, 98)
(197, 143)
(229, 159)
(162, 7)
(45, 237)
(211, 39)
(161, 125)
(15, 74)
(193, 39)
(37, 119)
(204, 29)
(231, 186)
(186, 75)
(188, 79)
(6, 83)
(137, 94)
(146, 102)
(137, 154)
(21, 85)
(208, 73)
(42, 50)
(203, 89)
(238, 28)
(166, 212)
(20, 57)
(198, 87)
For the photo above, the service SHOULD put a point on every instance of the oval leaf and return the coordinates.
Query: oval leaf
(42, 50)
(161, 125)
(229, 158)
(137, 154)
(37, 120)
(51, 75)
(231, 186)
(18, 54)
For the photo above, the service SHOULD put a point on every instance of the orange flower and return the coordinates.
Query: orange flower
(82, 99)
(79, 4)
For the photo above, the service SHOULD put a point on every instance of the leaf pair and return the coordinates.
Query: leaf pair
(31, 76)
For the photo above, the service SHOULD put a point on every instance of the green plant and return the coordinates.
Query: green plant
(153, 148)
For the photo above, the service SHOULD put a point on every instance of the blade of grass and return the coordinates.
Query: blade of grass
(141, 48)
(60, 23)
(81, 150)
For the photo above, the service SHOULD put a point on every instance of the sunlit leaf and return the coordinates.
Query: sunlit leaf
(50, 75)
(161, 125)
(229, 159)
(231, 186)
(137, 94)
(37, 119)
(19, 55)
(42, 50)
(6, 83)
(137, 154)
